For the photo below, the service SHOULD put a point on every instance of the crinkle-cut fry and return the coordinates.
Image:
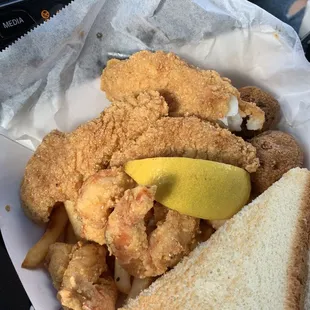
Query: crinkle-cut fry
(74, 219)
(138, 285)
(55, 227)
(122, 278)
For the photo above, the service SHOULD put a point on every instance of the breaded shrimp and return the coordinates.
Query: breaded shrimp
(145, 255)
(57, 261)
(97, 197)
(187, 90)
(83, 287)
(189, 137)
(62, 162)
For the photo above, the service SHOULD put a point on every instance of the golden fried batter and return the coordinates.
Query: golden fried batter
(46, 171)
(264, 101)
(144, 255)
(174, 238)
(57, 261)
(97, 197)
(62, 162)
(82, 286)
(278, 152)
(189, 137)
(187, 90)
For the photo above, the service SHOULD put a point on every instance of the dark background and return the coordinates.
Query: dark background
(12, 294)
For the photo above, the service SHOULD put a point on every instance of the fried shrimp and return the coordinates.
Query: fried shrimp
(150, 255)
(188, 90)
(189, 137)
(83, 286)
(57, 260)
(97, 197)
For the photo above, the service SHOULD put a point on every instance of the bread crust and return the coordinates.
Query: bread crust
(298, 264)
(171, 292)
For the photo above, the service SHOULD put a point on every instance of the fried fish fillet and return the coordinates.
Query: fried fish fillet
(266, 102)
(83, 286)
(62, 162)
(187, 90)
(189, 137)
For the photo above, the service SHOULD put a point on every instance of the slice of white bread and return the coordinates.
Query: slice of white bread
(257, 260)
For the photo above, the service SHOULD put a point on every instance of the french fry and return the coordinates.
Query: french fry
(74, 219)
(70, 236)
(121, 278)
(55, 227)
(138, 285)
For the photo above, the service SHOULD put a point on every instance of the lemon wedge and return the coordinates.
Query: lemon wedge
(195, 187)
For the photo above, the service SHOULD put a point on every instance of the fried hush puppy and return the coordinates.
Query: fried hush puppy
(278, 152)
(266, 102)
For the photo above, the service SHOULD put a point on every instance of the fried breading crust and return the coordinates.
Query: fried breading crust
(188, 90)
(189, 137)
(57, 261)
(82, 286)
(45, 172)
(150, 255)
(62, 162)
(97, 197)
(264, 101)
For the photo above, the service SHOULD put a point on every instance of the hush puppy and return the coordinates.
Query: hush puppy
(278, 152)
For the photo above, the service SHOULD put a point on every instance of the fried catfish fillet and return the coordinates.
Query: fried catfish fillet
(188, 90)
(62, 162)
(189, 137)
